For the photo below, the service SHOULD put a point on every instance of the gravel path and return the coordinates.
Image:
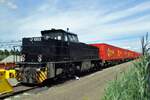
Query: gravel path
(90, 87)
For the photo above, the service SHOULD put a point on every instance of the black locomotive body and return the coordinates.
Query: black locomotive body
(55, 54)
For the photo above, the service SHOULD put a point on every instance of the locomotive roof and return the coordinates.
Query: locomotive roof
(55, 30)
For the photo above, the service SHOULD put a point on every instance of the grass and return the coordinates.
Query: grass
(131, 85)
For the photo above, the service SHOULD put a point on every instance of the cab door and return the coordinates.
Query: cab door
(65, 49)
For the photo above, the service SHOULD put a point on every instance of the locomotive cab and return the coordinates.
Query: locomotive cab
(60, 35)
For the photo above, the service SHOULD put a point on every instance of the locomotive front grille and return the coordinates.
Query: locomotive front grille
(27, 75)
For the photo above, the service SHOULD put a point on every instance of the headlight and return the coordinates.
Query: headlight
(38, 69)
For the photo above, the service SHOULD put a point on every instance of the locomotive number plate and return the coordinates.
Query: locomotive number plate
(35, 39)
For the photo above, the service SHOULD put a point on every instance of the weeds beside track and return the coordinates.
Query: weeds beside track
(133, 84)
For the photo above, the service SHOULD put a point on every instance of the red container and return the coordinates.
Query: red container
(110, 53)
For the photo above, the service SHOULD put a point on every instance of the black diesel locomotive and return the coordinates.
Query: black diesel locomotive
(56, 53)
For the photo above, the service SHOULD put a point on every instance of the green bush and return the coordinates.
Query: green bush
(131, 85)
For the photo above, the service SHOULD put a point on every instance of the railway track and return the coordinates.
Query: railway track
(18, 90)
(21, 89)
(89, 87)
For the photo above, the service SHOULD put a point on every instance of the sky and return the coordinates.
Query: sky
(118, 22)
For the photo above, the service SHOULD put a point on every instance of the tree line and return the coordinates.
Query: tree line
(4, 53)
(9, 52)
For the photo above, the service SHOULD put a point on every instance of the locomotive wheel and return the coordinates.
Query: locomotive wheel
(71, 71)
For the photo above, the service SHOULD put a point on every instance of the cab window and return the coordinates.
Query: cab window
(66, 38)
(73, 38)
(55, 36)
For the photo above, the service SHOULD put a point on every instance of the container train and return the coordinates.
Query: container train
(111, 54)
(59, 53)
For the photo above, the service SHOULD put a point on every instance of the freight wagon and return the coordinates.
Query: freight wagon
(109, 54)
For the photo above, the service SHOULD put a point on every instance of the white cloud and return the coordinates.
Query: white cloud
(127, 12)
(131, 44)
(102, 31)
(2, 1)
(9, 4)
(86, 20)
(12, 5)
(75, 20)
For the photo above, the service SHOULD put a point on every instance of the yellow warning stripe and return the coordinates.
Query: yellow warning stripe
(41, 76)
